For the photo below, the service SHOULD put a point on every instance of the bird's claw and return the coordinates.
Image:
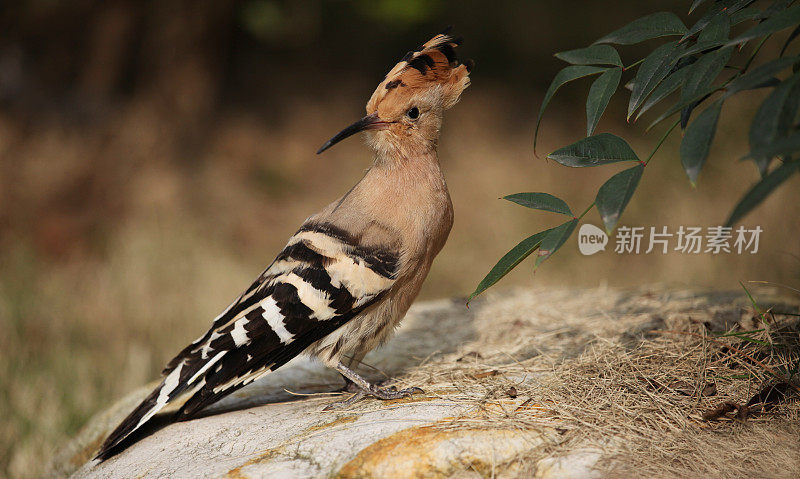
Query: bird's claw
(383, 394)
(393, 393)
(345, 403)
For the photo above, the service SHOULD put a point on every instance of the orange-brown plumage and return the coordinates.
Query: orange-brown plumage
(347, 277)
(433, 64)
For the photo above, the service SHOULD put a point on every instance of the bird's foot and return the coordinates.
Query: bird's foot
(393, 393)
(374, 391)
(361, 389)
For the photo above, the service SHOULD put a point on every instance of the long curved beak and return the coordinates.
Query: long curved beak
(369, 122)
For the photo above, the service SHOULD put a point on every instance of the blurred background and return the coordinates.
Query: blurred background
(156, 155)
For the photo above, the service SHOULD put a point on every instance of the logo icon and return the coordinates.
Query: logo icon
(591, 239)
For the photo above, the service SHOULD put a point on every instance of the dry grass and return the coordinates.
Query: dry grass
(645, 398)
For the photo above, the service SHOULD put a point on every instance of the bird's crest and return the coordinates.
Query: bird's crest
(432, 64)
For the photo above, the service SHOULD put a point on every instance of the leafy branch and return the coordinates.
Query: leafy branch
(694, 69)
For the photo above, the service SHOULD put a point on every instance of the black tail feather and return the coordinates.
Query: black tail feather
(156, 423)
(127, 426)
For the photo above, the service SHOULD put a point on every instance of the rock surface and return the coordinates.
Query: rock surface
(265, 431)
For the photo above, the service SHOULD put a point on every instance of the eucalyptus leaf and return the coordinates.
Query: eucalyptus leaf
(744, 15)
(509, 261)
(789, 40)
(614, 195)
(774, 118)
(595, 150)
(787, 18)
(695, 4)
(655, 67)
(540, 201)
(759, 75)
(681, 105)
(762, 164)
(657, 25)
(697, 141)
(703, 72)
(768, 83)
(686, 113)
(780, 147)
(668, 85)
(703, 47)
(775, 7)
(717, 30)
(599, 95)
(756, 195)
(593, 55)
(554, 240)
(566, 75)
(723, 8)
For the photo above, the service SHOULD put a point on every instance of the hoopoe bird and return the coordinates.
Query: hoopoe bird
(347, 277)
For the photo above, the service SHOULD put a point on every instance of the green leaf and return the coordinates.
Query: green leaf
(717, 30)
(554, 240)
(657, 25)
(718, 9)
(780, 147)
(788, 18)
(599, 95)
(653, 69)
(614, 195)
(686, 114)
(705, 71)
(789, 40)
(595, 150)
(775, 7)
(695, 4)
(509, 261)
(681, 105)
(744, 15)
(668, 85)
(593, 55)
(774, 118)
(697, 142)
(759, 75)
(703, 48)
(761, 190)
(566, 75)
(540, 201)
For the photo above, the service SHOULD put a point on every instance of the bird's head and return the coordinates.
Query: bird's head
(405, 112)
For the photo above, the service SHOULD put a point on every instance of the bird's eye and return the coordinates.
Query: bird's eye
(413, 113)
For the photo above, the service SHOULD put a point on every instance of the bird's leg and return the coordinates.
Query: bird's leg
(349, 386)
(364, 388)
(354, 360)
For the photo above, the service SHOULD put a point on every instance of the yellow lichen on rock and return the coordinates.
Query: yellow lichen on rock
(433, 452)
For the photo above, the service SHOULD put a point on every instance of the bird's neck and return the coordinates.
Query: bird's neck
(411, 192)
(409, 173)
(399, 154)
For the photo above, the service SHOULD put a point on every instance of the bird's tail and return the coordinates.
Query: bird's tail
(172, 386)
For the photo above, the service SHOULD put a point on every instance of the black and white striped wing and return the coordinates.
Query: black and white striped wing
(320, 280)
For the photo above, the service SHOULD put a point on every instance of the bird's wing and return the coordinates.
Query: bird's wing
(321, 279)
